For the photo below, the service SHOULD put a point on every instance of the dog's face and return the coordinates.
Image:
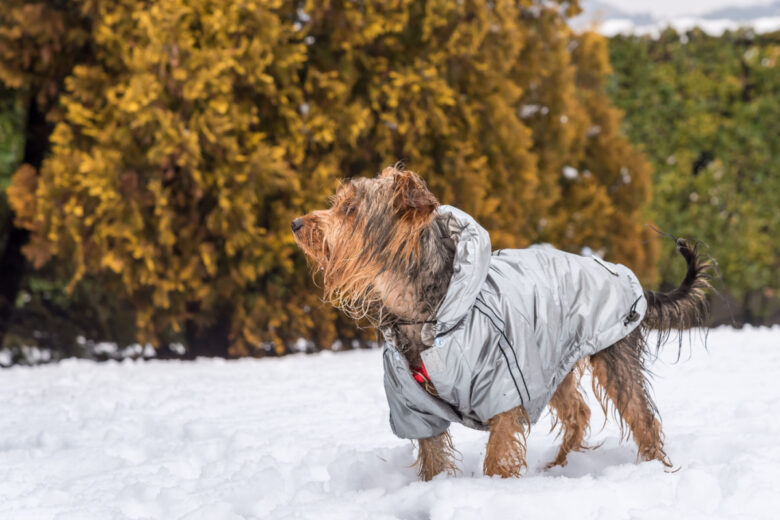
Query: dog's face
(370, 232)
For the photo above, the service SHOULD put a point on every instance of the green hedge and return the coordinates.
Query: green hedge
(706, 111)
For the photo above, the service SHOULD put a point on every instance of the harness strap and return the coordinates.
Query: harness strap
(420, 374)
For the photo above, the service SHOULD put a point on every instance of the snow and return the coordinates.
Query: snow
(527, 111)
(593, 131)
(306, 436)
(713, 27)
(650, 17)
(570, 172)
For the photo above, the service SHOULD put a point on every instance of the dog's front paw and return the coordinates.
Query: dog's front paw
(426, 472)
(436, 455)
(505, 451)
(504, 467)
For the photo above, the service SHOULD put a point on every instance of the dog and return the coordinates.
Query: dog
(490, 339)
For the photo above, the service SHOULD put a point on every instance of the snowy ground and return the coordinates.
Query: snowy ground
(307, 437)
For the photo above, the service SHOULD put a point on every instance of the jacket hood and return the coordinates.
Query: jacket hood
(470, 267)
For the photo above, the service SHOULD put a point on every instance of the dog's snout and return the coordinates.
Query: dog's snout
(297, 224)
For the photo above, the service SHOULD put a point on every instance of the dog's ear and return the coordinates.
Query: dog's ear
(411, 198)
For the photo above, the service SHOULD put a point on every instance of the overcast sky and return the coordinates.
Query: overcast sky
(680, 7)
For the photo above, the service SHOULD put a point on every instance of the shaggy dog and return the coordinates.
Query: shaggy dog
(390, 254)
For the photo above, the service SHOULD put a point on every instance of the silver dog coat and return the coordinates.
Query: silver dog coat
(512, 324)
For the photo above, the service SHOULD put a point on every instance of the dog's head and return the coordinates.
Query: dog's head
(367, 238)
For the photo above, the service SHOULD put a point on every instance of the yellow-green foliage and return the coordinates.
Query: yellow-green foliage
(170, 177)
(11, 141)
(489, 101)
(204, 126)
(39, 44)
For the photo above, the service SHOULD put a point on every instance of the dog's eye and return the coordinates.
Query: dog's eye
(348, 209)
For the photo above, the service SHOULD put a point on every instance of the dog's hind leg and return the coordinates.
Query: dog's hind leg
(619, 377)
(573, 413)
(505, 452)
(435, 455)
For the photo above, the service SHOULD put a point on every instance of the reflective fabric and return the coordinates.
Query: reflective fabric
(512, 324)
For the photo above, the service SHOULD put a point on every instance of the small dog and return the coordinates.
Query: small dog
(490, 339)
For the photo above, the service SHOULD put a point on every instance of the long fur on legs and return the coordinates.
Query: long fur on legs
(435, 455)
(573, 414)
(619, 377)
(505, 452)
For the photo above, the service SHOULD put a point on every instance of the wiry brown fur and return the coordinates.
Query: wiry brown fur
(435, 455)
(572, 413)
(686, 306)
(619, 378)
(381, 254)
(505, 451)
(384, 255)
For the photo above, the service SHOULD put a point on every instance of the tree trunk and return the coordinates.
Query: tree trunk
(212, 340)
(13, 265)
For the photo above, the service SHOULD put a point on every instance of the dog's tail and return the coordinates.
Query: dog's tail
(686, 306)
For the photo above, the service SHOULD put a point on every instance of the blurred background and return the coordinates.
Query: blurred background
(153, 153)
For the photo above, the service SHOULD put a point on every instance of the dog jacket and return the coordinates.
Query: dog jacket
(511, 326)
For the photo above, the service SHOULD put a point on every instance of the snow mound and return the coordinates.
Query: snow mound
(307, 437)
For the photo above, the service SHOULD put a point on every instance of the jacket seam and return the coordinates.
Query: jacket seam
(506, 358)
(509, 343)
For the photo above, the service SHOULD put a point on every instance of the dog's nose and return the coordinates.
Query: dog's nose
(297, 224)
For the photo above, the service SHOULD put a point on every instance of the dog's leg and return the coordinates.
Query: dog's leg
(620, 377)
(435, 455)
(572, 412)
(505, 453)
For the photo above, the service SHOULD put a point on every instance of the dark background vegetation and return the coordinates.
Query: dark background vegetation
(152, 155)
